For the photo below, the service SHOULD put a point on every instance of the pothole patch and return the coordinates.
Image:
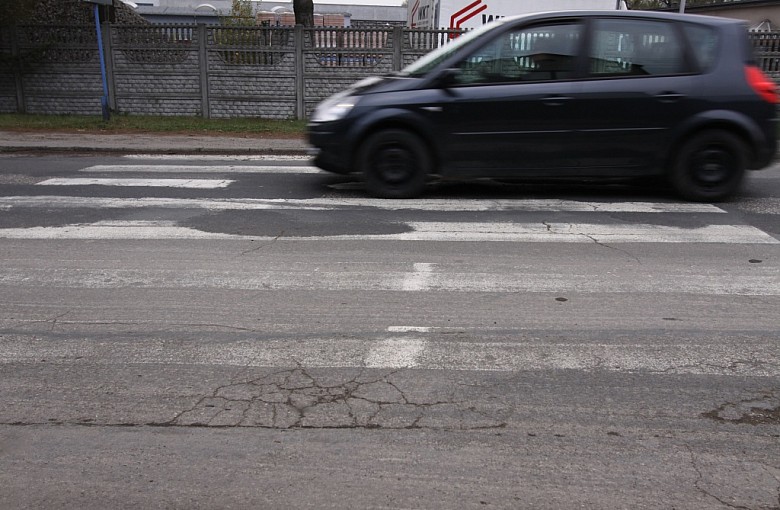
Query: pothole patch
(762, 411)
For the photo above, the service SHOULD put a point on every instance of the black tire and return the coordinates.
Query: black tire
(709, 167)
(395, 164)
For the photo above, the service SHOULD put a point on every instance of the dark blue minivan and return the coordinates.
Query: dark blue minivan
(575, 95)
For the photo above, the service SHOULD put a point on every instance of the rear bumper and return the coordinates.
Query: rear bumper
(767, 152)
(764, 159)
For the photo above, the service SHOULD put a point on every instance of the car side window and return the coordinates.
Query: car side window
(538, 53)
(635, 48)
(704, 43)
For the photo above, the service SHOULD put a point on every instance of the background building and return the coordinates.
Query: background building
(274, 13)
(762, 15)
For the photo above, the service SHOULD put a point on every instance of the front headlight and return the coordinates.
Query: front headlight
(334, 108)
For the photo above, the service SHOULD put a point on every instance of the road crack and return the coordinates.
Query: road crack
(263, 245)
(296, 399)
(604, 245)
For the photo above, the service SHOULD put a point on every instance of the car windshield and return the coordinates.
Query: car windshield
(434, 58)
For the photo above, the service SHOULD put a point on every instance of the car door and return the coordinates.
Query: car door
(511, 110)
(637, 89)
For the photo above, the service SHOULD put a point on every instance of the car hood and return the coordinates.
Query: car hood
(377, 84)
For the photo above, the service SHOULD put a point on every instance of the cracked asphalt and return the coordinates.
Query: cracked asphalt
(297, 399)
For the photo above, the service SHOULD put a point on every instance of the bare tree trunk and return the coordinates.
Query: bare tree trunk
(304, 12)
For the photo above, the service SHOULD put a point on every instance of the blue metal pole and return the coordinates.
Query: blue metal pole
(104, 99)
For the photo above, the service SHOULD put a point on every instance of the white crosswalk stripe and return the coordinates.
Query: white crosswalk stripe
(694, 281)
(150, 183)
(416, 352)
(216, 157)
(439, 205)
(190, 169)
(425, 231)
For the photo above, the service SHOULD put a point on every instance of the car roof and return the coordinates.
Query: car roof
(627, 14)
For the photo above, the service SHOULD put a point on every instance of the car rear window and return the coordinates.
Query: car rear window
(704, 44)
(623, 47)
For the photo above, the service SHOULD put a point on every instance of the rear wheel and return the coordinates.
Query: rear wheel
(394, 164)
(709, 167)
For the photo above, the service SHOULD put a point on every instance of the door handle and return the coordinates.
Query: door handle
(556, 100)
(669, 97)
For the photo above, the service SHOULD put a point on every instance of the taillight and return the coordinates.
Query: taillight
(761, 83)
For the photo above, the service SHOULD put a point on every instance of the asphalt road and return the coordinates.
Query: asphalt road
(250, 333)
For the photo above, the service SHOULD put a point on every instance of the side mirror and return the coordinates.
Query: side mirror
(448, 78)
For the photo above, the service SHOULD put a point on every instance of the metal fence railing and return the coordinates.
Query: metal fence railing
(767, 49)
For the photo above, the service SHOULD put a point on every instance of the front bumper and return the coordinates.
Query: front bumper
(330, 150)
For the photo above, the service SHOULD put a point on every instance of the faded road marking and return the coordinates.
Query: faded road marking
(396, 353)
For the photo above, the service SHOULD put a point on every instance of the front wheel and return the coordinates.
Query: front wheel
(394, 164)
(709, 167)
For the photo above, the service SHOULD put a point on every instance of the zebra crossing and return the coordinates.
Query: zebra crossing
(127, 175)
(412, 342)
